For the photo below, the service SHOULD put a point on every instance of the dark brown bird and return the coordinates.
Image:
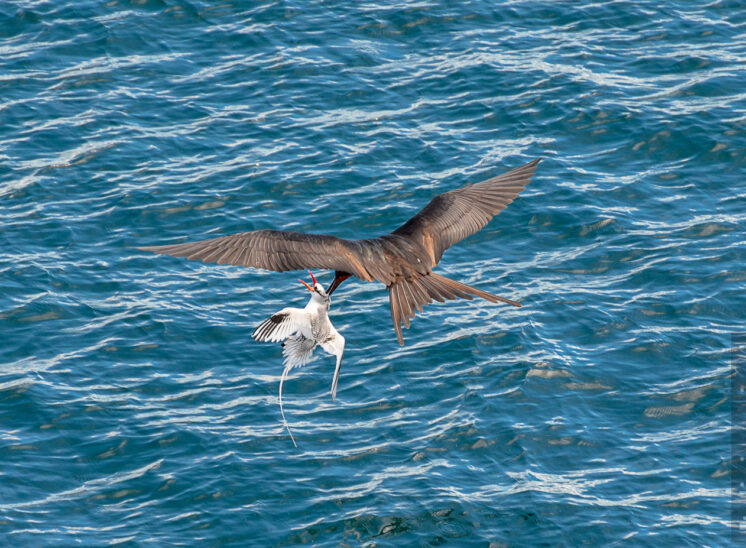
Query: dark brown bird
(402, 260)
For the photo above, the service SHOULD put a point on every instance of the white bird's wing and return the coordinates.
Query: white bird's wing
(281, 325)
(335, 345)
(297, 351)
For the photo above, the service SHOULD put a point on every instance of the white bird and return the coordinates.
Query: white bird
(302, 330)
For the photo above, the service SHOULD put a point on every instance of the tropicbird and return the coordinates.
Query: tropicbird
(302, 330)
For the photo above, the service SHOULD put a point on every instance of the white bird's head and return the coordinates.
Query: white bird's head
(317, 290)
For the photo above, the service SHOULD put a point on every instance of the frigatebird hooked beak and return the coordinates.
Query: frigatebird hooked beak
(402, 260)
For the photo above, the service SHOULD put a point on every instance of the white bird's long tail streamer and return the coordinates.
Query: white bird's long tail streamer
(282, 412)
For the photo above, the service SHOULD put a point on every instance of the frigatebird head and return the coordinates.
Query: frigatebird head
(317, 289)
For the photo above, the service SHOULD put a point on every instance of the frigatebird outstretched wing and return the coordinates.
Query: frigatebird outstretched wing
(402, 260)
(452, 216)
(277, 250)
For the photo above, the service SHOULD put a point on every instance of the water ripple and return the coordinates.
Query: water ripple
(136, 409)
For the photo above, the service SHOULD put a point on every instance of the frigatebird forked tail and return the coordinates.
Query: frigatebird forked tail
(406, 295)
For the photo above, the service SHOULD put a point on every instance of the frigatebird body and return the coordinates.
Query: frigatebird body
(402, 260)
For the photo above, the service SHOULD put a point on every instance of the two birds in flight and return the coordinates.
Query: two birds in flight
(402, 260)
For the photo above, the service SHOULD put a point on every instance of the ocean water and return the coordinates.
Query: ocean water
(135, 410)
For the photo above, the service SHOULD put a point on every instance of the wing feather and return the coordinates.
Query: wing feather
(335, 345)
(298, 351)
(454, 215)
(277, 250)
(280, 326)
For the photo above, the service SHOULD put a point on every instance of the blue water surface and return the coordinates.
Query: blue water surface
(135, 409)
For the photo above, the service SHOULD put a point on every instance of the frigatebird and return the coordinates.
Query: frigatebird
(402, 260)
